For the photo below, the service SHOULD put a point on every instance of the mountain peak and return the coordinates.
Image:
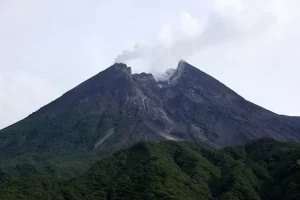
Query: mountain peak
(121, 67)
(181, 63)
(185, 66)
(115, 108)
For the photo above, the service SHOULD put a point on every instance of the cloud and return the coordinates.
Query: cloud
(232, 20)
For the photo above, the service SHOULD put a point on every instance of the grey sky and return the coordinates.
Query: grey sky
(47, 47)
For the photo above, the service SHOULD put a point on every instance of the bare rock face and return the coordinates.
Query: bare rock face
(214, 114)
(116, 108)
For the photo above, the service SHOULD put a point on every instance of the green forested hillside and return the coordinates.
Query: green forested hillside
(265, 169)
(115, 109)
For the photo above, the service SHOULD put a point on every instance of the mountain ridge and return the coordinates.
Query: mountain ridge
(120, 76)
(115, 109)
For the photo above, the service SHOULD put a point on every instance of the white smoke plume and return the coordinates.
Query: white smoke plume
(229, 20)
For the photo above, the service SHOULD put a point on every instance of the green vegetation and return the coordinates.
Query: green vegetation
(60, 146)
(265, 169)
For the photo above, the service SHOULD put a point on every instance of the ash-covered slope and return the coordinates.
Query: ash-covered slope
(214, 113)
(116, 108)
(199, 108)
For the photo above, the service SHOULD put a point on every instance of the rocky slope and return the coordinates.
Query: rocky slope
(115, 108)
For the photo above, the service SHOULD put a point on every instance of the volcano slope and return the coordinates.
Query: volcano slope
(115, 109)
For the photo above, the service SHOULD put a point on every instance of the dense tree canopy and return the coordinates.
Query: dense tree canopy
(265, 169)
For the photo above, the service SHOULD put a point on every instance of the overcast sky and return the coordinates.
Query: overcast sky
(48, 47)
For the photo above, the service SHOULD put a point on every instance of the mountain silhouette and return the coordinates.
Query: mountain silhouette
(115, 109)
